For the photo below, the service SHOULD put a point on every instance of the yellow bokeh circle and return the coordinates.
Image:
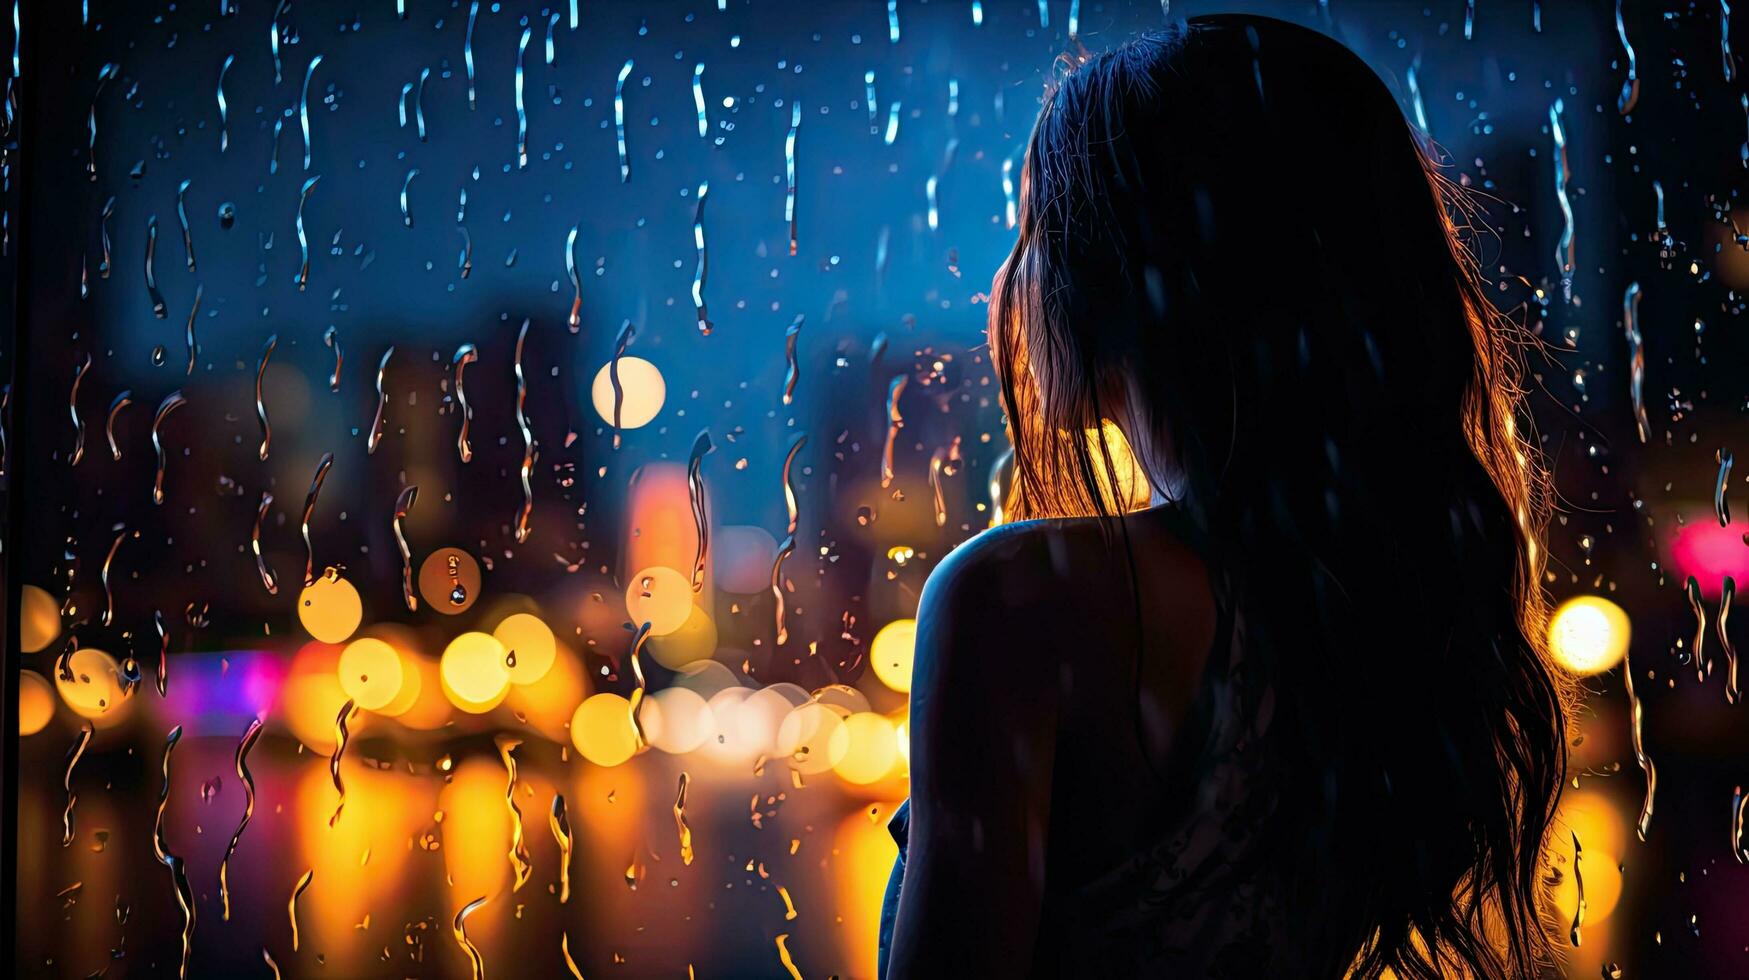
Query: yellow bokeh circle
(473, 671)
(813, 738)
(371, 673)
(873, 748)
(661, 597)
(891, 653)
(601, 729)
(330, 608)
(91, 685)
(39, 619)
(529, 647)
(36, 702)
(643, 390)
(1588, 634)
(695, 640)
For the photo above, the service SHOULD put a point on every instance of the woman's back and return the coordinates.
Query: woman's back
(1149, 820)
(1233, 249)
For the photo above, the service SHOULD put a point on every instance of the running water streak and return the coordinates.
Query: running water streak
(269, 580)
(789, 166)
(459, 926)
(104, 74)
(1692, 589)
(182, 219)
(406, 208)
(163, 677)
(291, 907)
(1725, 41)
(701, 445)
(171, 403)
(188, 329)
(403, 504)
(310, 508)
(178, 871)
(1630, 88)
(341, 736)
(1722, 506)
(560, 825)
(224, 111)
(103, 576)
(704, 125)
(783, 956)
(703, 268)
(527, 468)
(260, 403)
(789, 489)
(1630, 318)
(619, 120)
(73, 756)
(620, 342)
(784, 550)
(73, 408)
(1564, 247)
(108, 212)
(1727, 592)
(939, 501)
(376, 426)
(1636, 716)
(303, 277)
(248, 780)
(331, 339)
(464, 355)
(576, 318)
(304, 107)
(468, 52)
(521, 108)
(273, 39)
(641, 634)
(121, 401)
(419, 103)
(792, 371)
(1579, 886)
(1738, 802)
(519, 863)
(680, 825)
(895, 422)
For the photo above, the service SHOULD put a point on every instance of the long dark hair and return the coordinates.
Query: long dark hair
(1229, 234)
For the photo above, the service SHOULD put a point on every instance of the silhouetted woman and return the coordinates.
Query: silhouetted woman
(1293, 717)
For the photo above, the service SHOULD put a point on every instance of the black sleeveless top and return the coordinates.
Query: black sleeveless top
(1199, 900)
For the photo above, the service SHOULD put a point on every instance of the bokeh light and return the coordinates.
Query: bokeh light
(661, 597)
(330, 608)
(602, 730)
(91, 684)
(695, 640)
(676, 720)
(741, 555)
(36, 702)
(449, 580)
(546, 704)
(529, 647)
(813, 738)
(370, 673)
(873, 749)
(39, 619)
(891, 653)
(474, 674)
(311, 697)
(643, 392)
(1588, 634)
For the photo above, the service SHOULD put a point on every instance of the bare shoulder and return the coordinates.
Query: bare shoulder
(1010, 589)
